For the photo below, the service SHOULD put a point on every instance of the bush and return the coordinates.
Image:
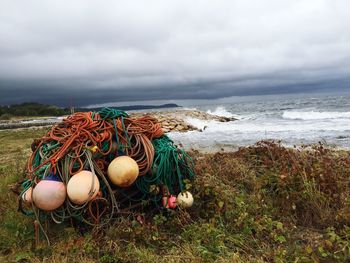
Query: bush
(6, 117)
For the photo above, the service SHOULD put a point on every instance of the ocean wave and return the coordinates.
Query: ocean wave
(201, 124)
(221, 111)
(315, 115)
(210, 127)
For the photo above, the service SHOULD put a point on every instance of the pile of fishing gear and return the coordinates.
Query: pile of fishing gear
(95, 166)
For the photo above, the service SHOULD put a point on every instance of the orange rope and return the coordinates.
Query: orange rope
(73, 134)
(142, 152)
(146, 125)
(86, 129)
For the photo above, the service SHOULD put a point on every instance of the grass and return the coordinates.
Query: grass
(264, 203)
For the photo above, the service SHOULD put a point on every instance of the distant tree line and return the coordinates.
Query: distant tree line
(37, 109)
(31, 109)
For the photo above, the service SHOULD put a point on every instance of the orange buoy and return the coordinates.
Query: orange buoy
(27, 195)
(123, 171)
(49, 194)
(185, 199)
(83, 187)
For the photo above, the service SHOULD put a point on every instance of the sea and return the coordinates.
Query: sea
(295, 120)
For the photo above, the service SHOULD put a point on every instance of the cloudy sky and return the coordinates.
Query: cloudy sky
(89, 52)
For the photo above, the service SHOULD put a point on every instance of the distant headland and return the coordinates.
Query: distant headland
(37, 109)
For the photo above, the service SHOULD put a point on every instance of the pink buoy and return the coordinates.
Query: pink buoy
(169, 201)
(172, 202)
(49, 194)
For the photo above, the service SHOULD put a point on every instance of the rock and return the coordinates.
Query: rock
(180, 127)
(223, 119)
(176, 120)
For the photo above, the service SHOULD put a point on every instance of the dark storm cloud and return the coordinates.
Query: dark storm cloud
(90, 52)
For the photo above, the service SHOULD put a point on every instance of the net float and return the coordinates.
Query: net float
(123, 171)
(82, 187)
(27, 195)
(49, 193)
(185, 199)
(169, 201)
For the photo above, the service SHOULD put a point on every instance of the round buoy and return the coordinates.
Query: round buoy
(169, 201)
(83, 187)
(49, 194)
(27, 195)
(172, 202)
(185, 199)
(123, 171)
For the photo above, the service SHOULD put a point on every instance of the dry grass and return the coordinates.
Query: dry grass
(264, 203)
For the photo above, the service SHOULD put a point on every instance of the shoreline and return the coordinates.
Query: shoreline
(171, 120)
(174, 122)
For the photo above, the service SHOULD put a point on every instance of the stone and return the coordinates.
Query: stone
(179, 127)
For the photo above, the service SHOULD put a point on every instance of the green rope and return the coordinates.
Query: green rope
(114, 114)
(171, 167)
(110, 113)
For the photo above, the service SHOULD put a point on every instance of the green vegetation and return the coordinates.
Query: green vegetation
(264, 203)
(30, 109)
(37, 109)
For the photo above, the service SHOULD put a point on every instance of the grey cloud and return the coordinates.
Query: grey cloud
(102, 51)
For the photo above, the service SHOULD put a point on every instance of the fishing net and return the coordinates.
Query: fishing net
(90, 141)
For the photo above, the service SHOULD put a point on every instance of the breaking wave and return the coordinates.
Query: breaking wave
(220, 111)
(315, 115)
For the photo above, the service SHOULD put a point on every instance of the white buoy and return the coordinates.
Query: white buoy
(83, 187)
(185, 199)
(123, 171)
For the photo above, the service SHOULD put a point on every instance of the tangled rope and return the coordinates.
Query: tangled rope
(171, 167)
(90, 141)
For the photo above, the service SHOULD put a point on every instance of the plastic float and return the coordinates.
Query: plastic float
(82, 187)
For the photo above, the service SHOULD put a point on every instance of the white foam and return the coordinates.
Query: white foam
(201, 124)
(248, 131)
(270, 126)
(315, 115)
(220, 111)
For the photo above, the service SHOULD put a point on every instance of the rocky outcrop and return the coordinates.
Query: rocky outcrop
(175, 120)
